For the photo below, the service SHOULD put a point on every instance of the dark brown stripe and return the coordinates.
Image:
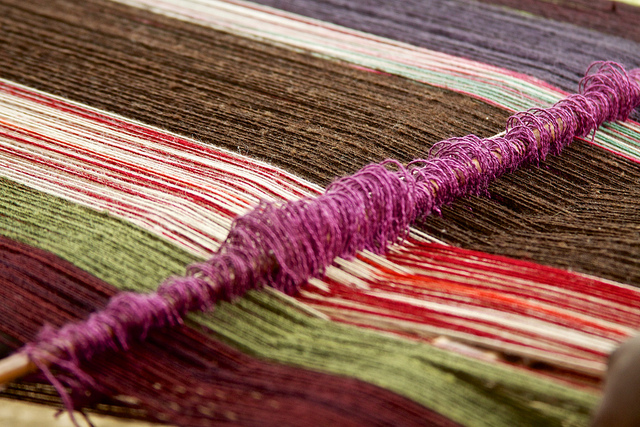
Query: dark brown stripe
(180, 375)
(579, 211)
(316, 118)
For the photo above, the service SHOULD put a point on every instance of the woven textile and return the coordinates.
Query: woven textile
(134, 132)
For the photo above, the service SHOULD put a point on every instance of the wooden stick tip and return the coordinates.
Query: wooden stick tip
(15, 366)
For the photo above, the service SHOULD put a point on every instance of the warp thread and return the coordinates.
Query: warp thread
(544, 48)
(610, 17)
(269, 327)
(233, 387)
(282, 245)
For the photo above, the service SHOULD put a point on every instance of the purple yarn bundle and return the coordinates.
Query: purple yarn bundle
(283, 245)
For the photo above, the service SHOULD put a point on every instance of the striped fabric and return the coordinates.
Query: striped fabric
(133, 132)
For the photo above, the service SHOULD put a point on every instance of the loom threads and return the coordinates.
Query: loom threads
(545, 49)
(261, 325)
(616, 18)
(225, 385)
(271, 107)
(496, 86)
(183, 190)
(166, 168)
(465, 390)
(512, 199)
(139, 37)
(283, 246)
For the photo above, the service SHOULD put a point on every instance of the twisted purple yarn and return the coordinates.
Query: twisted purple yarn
(282, 245)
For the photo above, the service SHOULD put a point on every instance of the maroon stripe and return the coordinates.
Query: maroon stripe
(180, 375)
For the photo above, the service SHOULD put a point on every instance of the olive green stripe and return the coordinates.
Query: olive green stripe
(113, 250)
(468, 391)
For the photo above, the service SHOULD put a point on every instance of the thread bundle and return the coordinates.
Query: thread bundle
(366, 211)
(90, 174)
(231, 386)
(496, 86)
(285, 99)
(552, 51)
(504, 225)
(525, 310)
(186, 191)
(267, 327)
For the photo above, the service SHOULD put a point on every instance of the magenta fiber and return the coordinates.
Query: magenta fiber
(283, 245)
